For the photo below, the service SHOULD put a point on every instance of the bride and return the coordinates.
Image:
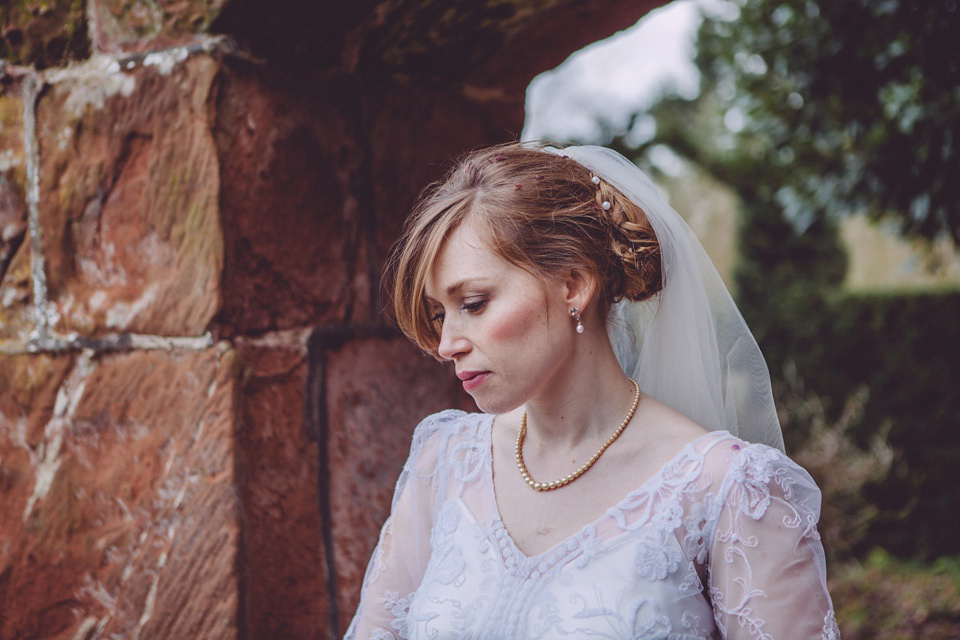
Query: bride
(626, 478)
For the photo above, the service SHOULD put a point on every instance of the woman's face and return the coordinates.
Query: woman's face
(502, 327)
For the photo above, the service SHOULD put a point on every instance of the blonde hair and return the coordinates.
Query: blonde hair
(540, 211)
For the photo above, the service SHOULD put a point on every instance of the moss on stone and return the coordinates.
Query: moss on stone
(136, 22)
(11, 141)
(44, 33)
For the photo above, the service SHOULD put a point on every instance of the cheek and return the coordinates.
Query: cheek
(519, 323)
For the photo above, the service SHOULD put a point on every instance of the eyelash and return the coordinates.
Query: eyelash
(473, 307)
(469, 307)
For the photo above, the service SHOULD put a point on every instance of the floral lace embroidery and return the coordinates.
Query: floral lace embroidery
(590, 547)
(830, 629)
(692, 521)
(467, 460)
(446, 564)
(655, 558)
(641, 618)
(399, 607)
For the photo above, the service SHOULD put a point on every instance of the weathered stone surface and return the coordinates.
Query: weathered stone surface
(44, 33)
(304, 33)
(129, 182)
(376, 390)
(490, 43)
(540, 38)
(417, 131)
(220, 493)
(29, 385)
(119, 514)
(16, 316)
(285, 573)
(140, 25)
(12, 162)
(431, 40)
(295, 251)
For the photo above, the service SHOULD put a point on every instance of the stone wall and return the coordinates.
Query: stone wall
(203, 407)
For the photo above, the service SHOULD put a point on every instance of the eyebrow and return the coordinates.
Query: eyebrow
(454, 288)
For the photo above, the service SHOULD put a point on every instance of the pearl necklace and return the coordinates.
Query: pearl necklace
(556, 484)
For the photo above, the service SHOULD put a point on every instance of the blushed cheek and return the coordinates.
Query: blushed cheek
(515, 324)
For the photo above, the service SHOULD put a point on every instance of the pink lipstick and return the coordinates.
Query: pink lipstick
(472, 379)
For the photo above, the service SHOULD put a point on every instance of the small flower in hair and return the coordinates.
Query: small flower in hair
(517, 187)
(539, 177)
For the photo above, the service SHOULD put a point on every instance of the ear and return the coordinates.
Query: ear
(580, 287)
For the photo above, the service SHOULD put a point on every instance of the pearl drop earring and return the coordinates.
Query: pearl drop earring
(575, 314)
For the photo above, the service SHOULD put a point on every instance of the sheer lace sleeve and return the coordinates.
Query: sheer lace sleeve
(400, 557)
(767, 571)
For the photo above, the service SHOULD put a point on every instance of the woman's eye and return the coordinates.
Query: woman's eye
(474, 305)
(437, 318)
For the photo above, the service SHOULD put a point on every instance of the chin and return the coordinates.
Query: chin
(495, 406)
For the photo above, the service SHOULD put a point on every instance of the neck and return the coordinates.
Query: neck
(584, 402)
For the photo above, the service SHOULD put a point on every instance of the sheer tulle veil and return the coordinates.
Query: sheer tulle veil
(688, 346)
(446, 559)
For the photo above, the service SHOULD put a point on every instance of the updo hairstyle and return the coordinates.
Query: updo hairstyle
(541, 211)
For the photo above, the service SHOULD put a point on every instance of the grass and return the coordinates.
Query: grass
(885, 598)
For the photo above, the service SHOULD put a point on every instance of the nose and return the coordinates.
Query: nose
(452, 341)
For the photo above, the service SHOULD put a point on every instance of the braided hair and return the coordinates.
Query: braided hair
(542, 212)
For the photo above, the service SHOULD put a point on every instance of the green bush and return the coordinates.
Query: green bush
(906, 350)
(900, 352)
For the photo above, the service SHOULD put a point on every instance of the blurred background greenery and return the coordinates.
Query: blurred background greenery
(832, 131)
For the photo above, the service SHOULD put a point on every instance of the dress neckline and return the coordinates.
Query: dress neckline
(568, 544)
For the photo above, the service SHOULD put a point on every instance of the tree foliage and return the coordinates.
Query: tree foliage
(844, 107)
(811, 110)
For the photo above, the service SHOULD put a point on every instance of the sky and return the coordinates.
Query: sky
(614, 77)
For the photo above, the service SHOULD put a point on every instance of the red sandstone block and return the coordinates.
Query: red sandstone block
(13, 165)
(17, 316)
(119, 511)
(292, 181)
(377, 390)
(29, 385)
(182, 190)
(16, 294)
(129, 187)
(418, 133)
(285, 568)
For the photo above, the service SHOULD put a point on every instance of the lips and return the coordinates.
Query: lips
(472, 379)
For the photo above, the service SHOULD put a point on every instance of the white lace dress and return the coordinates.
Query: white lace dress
(720, 543)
